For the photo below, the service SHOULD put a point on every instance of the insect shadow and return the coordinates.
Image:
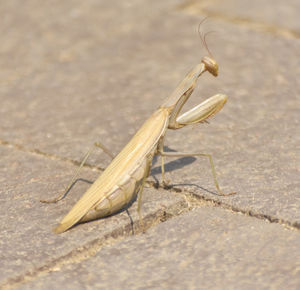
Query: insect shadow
(174, 165)
(118, 212)
(171, 165)
(74, 183)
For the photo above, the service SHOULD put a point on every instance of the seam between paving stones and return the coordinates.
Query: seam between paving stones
(47, 155)
(90, 249)
(193, 7)
(252, 213)
(195, 200)
(190, 196)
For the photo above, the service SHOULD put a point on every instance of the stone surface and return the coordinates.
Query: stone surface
(26, 238)
(72, 73)
(254, 140)
(205, 249)
(270, 15)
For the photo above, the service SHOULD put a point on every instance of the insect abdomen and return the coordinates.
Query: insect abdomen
(121, 194)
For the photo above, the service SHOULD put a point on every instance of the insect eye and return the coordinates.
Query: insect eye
(211, 65)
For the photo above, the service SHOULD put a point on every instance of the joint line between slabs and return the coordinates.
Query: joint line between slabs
(47, 155)
(193, 7)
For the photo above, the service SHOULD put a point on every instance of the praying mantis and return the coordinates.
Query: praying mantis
(124, 178)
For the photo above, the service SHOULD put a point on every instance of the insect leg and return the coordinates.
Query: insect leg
(86, 156)
(147, 172)
(160, 148)
(180, 154)
(104, 149)
(163, 170)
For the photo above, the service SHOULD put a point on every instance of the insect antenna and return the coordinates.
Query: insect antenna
(203, 36)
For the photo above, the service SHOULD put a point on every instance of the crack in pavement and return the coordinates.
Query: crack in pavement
(185, 192)
(48, 155)
(90, 249)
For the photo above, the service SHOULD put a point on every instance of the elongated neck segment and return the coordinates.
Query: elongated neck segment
(181, 94)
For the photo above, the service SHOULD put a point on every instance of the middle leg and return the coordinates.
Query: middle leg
(180, 154)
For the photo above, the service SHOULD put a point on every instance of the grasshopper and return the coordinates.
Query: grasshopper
(125, 177)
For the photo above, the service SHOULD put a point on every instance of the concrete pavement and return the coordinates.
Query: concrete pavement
(72, 73)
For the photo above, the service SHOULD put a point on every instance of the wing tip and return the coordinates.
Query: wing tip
(60, 228)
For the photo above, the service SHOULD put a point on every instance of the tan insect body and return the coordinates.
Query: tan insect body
(124, 178)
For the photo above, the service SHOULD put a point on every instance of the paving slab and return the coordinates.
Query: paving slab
(62, 108)
(26, 238)
(204, 249)
(273, 16)
(65, 99)
(254, 139)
